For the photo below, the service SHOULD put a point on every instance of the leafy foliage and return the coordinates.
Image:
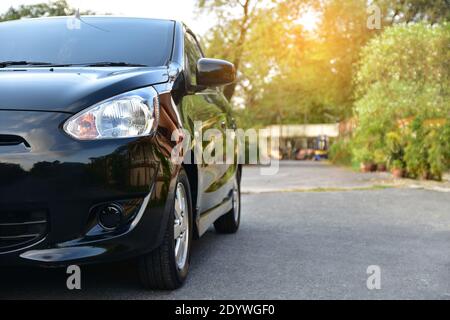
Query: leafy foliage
(398, 11)
(340, 152)
(403, 106)
(56, 8)
(291, 75)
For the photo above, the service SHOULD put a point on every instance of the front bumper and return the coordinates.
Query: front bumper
(52, 173)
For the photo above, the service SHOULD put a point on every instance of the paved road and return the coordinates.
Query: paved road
(307, 175)
(312, 176)
(305, 245)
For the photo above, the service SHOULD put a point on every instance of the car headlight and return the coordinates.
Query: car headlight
(129, 115)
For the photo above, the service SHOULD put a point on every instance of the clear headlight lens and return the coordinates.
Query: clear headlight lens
(132, 114)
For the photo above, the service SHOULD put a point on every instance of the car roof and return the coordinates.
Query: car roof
(91, 17)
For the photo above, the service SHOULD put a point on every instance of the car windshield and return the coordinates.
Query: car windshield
(88, 40)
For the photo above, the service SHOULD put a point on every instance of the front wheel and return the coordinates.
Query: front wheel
(166, 268)
(229, 223)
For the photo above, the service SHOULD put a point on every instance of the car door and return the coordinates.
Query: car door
(208, 108)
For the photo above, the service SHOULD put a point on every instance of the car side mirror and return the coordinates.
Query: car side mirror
(215, 72)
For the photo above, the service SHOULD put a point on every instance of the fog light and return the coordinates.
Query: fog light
(110, 216)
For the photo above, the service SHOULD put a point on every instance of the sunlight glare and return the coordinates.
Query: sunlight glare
(309, 20)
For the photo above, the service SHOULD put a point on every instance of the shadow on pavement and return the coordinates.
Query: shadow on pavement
(102, 281)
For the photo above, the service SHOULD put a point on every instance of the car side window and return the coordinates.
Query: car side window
(192, 55)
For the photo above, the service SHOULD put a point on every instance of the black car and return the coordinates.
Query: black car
(88, 107)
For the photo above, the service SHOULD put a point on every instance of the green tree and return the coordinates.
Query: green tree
(287, 74)
(311, 74)
(398, 11)
(229, 37)
(55, 8)
(290, 75)
(403, 89)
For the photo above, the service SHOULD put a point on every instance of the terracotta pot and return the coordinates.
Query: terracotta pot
(373, 167)
(381, 167)
(398, 173)
(366, 167)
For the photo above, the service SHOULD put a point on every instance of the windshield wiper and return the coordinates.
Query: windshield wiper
(4, 64)
(113, 64)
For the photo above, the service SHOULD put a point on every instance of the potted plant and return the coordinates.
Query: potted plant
(398, 169)
(365, 159)
(368, 166)
(380, 160)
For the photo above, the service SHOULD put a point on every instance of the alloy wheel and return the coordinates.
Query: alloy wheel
(236, 201)
(181, 226)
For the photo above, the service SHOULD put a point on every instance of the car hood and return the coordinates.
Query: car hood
(70, 89)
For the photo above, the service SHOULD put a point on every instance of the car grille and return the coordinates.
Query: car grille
(21, 228)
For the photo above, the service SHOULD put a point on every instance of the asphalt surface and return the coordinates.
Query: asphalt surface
(292, 245)
(294, 176)
(310, 175)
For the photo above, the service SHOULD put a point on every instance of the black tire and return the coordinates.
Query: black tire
(229, 223)
(158, 269)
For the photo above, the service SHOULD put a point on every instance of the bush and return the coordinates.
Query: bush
(341, 152)
(404, 81)
(427, 154)
(397, 164)
(395, 147)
